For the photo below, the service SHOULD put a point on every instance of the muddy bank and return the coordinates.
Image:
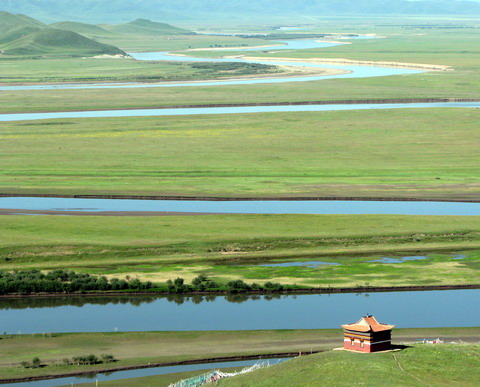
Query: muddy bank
(292, 103)
(284, 292)
(4, 211)
(343, 61)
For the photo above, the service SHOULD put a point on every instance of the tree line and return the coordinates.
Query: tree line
(63, 281)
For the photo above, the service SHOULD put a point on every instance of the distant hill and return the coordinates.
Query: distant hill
(108, 11)
(21, 35)
(9, 22)
(145, 27)
(89, 30)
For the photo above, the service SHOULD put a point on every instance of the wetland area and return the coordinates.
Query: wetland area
(343, 169)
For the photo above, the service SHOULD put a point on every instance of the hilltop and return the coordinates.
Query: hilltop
(89, 30)
(22, 35)
(420, 365)
(145, 27)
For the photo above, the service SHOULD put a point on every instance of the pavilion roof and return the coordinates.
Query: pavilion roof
(368, 324)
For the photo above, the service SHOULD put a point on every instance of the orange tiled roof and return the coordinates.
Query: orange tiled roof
(368, 324)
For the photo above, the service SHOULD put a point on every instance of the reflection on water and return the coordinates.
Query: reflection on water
(238, 311)
(75, 301)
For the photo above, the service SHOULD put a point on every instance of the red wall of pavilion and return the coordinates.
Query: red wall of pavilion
(370, 344)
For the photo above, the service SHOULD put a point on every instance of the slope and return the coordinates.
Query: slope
(146, 27)
(89, 30)
(51, 41)
(420, 365)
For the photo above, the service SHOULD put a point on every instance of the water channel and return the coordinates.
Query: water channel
(406, 309)
(201, 368)
(409, 309)
(357, 207)
(347, 71)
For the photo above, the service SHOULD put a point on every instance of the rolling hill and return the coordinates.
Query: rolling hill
(145, 27)
(85, 29)
(21, 35)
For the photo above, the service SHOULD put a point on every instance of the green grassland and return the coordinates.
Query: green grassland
(137, 348)
(230, 247)
(426, 153)
(107, 69)
(453, 47)
(417, 366)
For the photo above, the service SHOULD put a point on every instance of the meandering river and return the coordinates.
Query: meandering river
(346, 71)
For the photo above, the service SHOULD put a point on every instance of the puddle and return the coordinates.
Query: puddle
(313, 264)
(399, 260)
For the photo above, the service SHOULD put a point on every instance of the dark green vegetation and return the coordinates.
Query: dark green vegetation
(379, 153)
(23, 36)
(229, 247)
(420, 365)
(140, 348)
(67, 281)
(60, 281)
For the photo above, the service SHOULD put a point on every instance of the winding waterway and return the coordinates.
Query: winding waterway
(406, 309)
(347, 71)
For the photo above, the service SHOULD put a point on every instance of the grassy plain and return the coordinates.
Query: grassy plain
(136, 348)
(423, 153)
(230, 247)
(121, 70)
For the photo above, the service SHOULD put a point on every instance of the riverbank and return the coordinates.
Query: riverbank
(358, 102)
(242, 293)
(343, 61)
(237, 247)
(134, 350)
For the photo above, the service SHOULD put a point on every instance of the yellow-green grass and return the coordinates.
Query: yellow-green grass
(230, 247)
(420, 365)
(140, 348)
(410, 153)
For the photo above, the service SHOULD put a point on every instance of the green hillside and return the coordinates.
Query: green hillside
(22, 35)
(89, 30)
(420, 365)
(145, 27)
(52, 41)
(9, 22)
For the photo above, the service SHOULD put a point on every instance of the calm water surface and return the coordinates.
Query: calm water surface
(243, 207)
(452, 308)
(201, 368)
(227, 110)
